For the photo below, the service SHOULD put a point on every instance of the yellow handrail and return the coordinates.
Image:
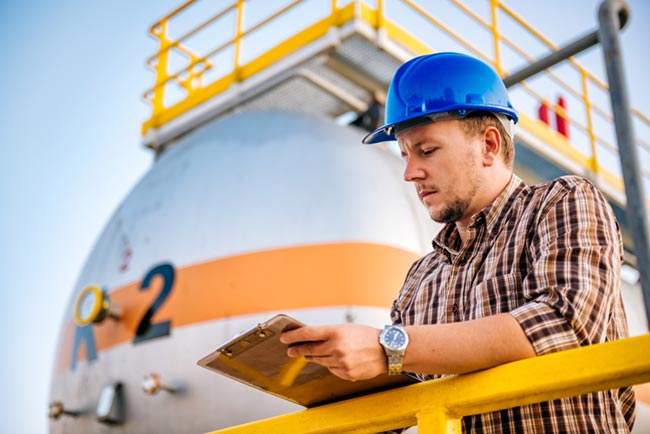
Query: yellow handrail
(438, 406)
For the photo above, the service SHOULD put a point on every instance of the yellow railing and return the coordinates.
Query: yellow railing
(591, 109)
(438, 406)
(195, 78)
(196, 67)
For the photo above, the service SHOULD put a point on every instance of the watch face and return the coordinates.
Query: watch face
(395, 338)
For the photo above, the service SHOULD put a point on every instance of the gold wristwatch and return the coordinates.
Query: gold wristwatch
(394, 340)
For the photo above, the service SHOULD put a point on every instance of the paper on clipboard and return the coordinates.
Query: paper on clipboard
(256, 357)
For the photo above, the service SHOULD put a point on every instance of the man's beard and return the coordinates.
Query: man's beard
(452, 212)
(457, 208)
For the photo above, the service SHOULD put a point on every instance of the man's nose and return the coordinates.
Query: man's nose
(413, 171)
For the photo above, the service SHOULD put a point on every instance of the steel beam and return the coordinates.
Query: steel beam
(563, 53)
(609, 18)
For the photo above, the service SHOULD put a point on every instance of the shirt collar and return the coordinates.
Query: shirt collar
(496, 212)
(492, 216)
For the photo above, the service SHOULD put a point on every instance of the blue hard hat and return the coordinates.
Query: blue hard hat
(441, 85)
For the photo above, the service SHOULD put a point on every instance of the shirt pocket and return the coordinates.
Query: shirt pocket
(496, 295)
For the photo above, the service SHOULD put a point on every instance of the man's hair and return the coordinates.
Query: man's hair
(477, 122)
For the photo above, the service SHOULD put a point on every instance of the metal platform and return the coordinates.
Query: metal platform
(339, 56)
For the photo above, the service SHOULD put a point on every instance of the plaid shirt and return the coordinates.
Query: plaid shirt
(550, 255)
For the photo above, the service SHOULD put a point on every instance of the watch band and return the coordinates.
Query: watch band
(394, 364)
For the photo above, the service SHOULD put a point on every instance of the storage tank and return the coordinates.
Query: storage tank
(252, 214)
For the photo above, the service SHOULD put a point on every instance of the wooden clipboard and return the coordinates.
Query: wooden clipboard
(256, 357)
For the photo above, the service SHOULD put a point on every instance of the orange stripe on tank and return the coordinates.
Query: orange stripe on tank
(341, 274)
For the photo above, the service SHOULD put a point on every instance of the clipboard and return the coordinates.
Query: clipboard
(256, 357)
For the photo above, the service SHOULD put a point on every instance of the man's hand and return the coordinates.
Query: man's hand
(349, 351)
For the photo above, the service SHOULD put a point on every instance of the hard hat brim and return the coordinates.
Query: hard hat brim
(379, 135)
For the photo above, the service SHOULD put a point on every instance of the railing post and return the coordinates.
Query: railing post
(590, 125)
(238, 35)
(494, 4)
(438, 421)
(161, 62)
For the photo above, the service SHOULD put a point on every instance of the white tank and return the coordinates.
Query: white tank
(253, 214)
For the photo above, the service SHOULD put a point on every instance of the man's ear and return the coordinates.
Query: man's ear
(491, 146)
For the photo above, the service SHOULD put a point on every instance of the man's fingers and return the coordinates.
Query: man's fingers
(313, 349)
(305, 334)
(351, 352)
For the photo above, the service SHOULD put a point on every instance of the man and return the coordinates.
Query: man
(516, 272)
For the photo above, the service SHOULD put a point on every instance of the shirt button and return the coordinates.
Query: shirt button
(454, 308)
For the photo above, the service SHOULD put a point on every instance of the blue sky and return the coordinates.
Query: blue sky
(70, 113)
(72, 76)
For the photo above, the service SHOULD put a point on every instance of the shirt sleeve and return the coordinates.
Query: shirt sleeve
(573, 280)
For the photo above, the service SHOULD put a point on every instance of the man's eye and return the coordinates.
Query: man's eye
(428, 151)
